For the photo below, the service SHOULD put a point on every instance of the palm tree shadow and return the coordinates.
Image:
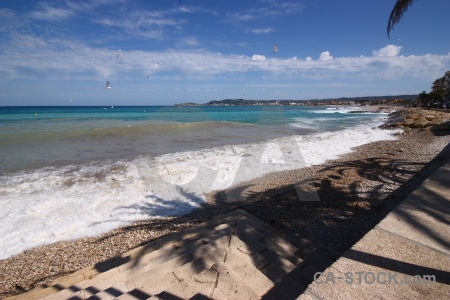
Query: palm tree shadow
(344, 214)
(347, 210)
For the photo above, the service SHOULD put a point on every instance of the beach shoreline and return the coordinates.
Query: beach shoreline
(356, 191)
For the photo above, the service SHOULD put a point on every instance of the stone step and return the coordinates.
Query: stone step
(200, 264)
(126, 257)
(150, 262)
(192, 244)
(231, 286)
(157, 280)
(109, 293)
(234, 256)
(190, 277)
(279, 256)
(98, 282)
(290, 287)
(205, 285)
(275, 248)
(272, 240)
(277, 268)
(245, 261)
(135, 294)
(199, 285)
(104, 285)
(203, 256)
(319, 261)
(283, 257)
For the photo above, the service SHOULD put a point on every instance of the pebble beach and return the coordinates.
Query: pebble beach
(355, 191)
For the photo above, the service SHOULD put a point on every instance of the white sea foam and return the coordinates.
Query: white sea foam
(54, 204)
(344, 110)
(331, 110)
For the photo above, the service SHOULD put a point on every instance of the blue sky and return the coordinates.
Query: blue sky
(63, 52)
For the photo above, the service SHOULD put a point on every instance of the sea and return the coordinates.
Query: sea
(72, 172)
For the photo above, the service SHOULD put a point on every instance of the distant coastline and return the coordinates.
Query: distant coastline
(355, 101)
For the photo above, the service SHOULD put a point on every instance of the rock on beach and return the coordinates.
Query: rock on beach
(415, 118)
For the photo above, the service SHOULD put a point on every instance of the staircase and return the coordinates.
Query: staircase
(234, 256)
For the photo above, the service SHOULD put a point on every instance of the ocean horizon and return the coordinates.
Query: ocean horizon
(69, 172)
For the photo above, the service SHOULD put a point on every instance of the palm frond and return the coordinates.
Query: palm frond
(400, 7)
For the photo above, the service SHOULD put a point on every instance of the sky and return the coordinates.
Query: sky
(162, 52)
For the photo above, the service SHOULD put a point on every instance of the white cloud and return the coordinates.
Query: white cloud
(325, 56)
(140, 21)
(241, 17)
(257, 57)
(47, 12)
(389, 51)
(189, 41)
(262, 30)
(89, 5)
(274, 8)
(56, 59)
(192, 9)
(142, 24)
(292, 7)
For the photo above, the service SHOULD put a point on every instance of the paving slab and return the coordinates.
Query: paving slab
(340, 286)
(427, 225)
(424, 216)
(431, 192)
(406, 256)
(397, 255)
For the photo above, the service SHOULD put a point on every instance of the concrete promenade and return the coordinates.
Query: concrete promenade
(406, 256)
(237, 256)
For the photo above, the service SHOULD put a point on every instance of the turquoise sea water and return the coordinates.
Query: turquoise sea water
(33, 137)
(71, 172)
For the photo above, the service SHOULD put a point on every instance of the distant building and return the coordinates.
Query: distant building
(442, 83)
(447, 84)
